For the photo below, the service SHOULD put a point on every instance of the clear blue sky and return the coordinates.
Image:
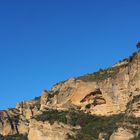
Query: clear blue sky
(43, 42)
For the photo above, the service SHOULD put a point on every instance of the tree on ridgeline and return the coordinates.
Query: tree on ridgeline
(138, 45)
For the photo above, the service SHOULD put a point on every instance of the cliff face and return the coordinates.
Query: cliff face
(104, 95)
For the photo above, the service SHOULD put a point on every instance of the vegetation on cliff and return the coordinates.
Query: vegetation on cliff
(90, 125)
(111, 72)
(100, 75)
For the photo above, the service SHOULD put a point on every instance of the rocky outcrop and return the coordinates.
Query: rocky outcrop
(46, 131)
(12, 123)
(44, 99)
(115, 84)
(112, 91)
(122, 134)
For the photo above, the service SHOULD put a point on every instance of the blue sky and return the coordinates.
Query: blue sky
(46, 41)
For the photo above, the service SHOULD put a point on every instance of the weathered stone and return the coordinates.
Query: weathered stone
(108, 95)
(46, 131)
(122, 134)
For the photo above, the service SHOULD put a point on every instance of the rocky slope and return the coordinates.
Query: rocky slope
(97, 106)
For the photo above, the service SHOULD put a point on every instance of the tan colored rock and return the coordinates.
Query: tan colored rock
(82, 90)
(115, 93)
(11, 122)
(113, 99)
(103, 136)
(7, 128)
(28, 113)
(23, 128)
(46, 131)
(44, 100)
(122, 134)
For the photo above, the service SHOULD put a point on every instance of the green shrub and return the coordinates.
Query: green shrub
(52, 116)
(135, 99)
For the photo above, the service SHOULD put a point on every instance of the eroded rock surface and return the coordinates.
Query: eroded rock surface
(113, 91)
(46, 131)
(122, 134)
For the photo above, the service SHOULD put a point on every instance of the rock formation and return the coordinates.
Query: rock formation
(112, 94)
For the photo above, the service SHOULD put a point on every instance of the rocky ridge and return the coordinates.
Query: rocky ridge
(97, 106)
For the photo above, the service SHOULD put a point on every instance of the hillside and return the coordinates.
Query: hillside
(101, 105)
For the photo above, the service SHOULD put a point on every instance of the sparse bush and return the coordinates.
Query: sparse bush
(138, 137)
(52, 116)
(100, 75)
(37, 98)
(135, 99)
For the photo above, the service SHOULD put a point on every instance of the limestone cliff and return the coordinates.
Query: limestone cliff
(74, 108)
